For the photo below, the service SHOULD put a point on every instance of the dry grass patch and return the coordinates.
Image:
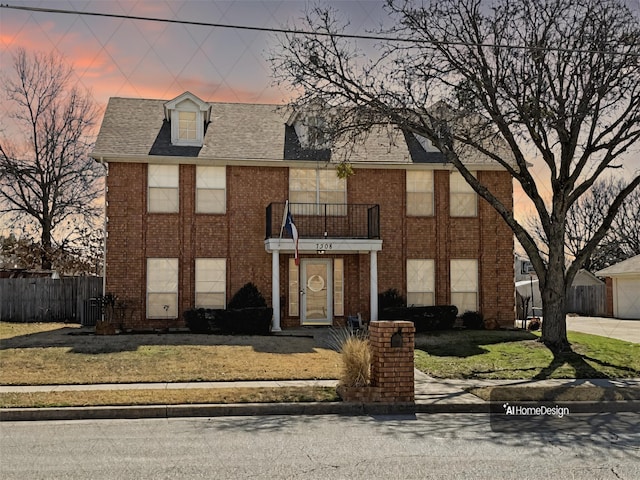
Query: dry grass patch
(167, 397)
(41, 354)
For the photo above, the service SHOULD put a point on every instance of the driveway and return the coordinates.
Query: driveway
(628, 330)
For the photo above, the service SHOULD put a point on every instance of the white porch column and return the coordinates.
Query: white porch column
(373, 282)
(275, 290)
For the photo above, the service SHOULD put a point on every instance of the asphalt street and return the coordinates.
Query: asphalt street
(442, 446)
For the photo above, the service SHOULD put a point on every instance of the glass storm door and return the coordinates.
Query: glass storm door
(316, 292)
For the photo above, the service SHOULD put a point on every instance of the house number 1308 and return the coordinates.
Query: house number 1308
(324, 246)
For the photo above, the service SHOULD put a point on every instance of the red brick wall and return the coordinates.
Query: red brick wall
(238, 236)
(609, 296)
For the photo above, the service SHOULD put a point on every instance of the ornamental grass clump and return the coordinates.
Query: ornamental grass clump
(356, 362)
(353, 346)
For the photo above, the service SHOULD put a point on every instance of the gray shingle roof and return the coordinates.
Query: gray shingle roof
(630, 266)
(238, 131)
(132, 126)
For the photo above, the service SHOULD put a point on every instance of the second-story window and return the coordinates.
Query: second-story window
(318, 187)
(163, 194)
(419, 193)
(463, 199)
(210, 189)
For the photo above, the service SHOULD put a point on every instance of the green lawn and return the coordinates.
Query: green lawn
(519, 355)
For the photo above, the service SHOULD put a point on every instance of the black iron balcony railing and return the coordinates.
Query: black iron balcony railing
(326, 220)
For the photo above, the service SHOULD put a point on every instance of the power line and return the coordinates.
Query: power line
(311, 33)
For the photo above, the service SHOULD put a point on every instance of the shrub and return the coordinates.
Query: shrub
(202, 320)
(473, 320)
(247, 296)
(390, 299)
(247, 313)
(437, 317)
(247, 321)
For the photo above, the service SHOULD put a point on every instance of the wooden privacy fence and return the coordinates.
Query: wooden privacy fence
(50, 300)
(589, 300)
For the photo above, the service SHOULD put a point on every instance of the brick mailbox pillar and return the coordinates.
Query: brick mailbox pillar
(392, 344)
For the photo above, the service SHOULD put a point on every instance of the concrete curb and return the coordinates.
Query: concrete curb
(302, 408)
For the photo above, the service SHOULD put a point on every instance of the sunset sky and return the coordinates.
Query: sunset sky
(133, 58)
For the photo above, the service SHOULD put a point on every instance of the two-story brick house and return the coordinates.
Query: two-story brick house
(196, 194)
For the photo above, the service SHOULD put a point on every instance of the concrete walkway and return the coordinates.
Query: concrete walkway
(431, 396)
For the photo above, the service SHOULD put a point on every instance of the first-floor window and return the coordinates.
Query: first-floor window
(162, 288)
(464, 285)
(420, 282)
(211, 281)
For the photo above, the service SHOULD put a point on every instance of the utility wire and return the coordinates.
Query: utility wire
(312, 33)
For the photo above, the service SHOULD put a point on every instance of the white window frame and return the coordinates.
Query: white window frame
(210, 280)
(464, 282)
(301, 193)
(421, 282)
(211, 180)
(420, 193)
(187, 127)
(163, 183)
(176, 130)
(460, 195)
(162, 284)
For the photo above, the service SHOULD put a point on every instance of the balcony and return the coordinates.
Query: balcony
(326, 220)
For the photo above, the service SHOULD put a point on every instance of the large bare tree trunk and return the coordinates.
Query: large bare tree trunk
(554, 294)
(46, 246)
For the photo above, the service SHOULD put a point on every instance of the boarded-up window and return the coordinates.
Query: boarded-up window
(464, 285)
(162, 288)
(420, 282)
(419, 193)
(163, 188)
(210, 189)
(464, 201)
(211, 280)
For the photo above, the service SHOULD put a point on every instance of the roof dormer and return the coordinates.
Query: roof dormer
(188, 116)
(311, 127)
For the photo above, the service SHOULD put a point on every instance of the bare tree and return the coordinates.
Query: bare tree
(558, 80)
(584, 218)
(46, 174)
(626, 226)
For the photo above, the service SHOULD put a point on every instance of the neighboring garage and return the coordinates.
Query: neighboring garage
(623, 288)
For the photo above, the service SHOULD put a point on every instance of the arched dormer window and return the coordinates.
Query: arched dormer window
(188, 116)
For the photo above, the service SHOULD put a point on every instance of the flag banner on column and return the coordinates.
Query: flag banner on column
(291, 228)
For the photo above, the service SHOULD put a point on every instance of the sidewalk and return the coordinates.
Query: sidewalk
(431, 396)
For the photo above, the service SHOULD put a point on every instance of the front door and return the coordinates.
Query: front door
(316, 292)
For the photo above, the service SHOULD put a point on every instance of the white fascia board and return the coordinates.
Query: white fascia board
(327, 245)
